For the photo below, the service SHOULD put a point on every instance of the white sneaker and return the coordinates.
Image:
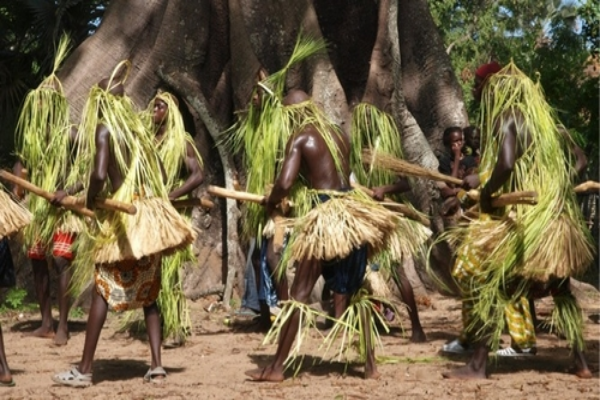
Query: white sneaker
(511, 352)
(456, 347)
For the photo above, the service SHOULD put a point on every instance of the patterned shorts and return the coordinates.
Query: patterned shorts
(129, 284)
(62, 243)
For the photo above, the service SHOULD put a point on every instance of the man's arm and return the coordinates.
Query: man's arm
(101, 160)
(504, 166)
(400, 186)
(289, 172)
(195, 175)
(18, 170)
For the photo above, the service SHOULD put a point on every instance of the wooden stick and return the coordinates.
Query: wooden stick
(392, 205)
(106, 204)
(588, 186)
(508, 198)
(234, 194)
(203, 202)
(404, 168)
(70, 202)
(7, 176)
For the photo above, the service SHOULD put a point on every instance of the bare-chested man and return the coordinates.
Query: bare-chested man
(308, 155)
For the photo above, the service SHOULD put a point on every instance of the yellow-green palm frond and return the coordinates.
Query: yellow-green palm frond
(362, 317)
(306, 46)
(376, 130)
(261, 132)
(306, 322)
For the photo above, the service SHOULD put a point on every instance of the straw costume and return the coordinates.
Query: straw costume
(13, 216)
(43, 143)
(524, 243)
(338, 227)
(127, 249)
(172, 149)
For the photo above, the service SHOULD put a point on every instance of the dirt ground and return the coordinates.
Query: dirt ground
(212, 363)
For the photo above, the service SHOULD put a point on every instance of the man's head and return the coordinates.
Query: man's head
(481, 76)
(472, 137)
(162, 102)
(295, 96)
(453, 136)
(161, 109)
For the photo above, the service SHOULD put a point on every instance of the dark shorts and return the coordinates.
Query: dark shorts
(346, 275)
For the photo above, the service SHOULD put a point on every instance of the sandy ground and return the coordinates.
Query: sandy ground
(212, 363)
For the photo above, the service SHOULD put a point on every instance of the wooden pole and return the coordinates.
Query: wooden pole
(106, 204)
(73, 203)
(589, 186)
(508, 198)
(195, 202)
(234, 194)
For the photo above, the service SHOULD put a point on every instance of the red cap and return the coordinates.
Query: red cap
(487, 69)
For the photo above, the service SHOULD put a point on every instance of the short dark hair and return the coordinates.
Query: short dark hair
(449, 131)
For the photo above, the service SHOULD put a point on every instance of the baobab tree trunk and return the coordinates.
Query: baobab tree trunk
(431, 91)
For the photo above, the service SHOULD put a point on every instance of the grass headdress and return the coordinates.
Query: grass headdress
(172, 146)
(262, 132)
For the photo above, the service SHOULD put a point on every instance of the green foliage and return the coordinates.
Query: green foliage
(15, 301)
(549, 39)
(76, 313)
(29, 33)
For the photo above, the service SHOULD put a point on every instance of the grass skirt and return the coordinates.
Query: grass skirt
(155, 228)
(345, 222)
(13, 216)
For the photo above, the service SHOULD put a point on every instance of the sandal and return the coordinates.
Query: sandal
(73, 378)
(512, 352)
(11, 383)
(153, 374)
(456, 347)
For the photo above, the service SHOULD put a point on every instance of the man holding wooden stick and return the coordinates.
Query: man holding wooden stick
(321, 156)
(127, 250)
(508, 256)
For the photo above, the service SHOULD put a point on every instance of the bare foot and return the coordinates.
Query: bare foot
(41, 332)
(418, 336)
(264, 375)
(584, 373)
(6, 380)
(61, 337)
(372, 373)
(465, 372)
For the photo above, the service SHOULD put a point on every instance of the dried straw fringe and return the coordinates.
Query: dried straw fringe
(156, 228)
(564, 251)
(336, 227)
(275, 225)
(71, 223)
(408, 239)
(376, 284)
(13, 216)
